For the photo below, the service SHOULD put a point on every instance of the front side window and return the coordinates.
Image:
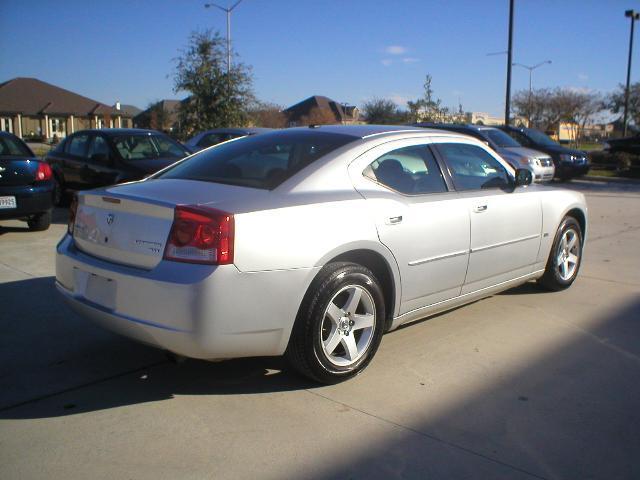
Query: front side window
(261, 161)
(410, 170)
(77, 145)
(473, 168)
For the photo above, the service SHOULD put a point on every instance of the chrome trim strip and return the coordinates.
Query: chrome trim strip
(502, 244)
(439, 257)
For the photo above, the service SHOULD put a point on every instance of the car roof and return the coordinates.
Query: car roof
(236, 130)
(457, 126)
(359, 131)
(121, 131)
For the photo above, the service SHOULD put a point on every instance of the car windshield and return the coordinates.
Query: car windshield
(539, 137)
(143, 147)
(10, 147)
(261, 161)
(500, 138)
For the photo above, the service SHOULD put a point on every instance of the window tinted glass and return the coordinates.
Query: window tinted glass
(141, 147)
(262, 161)
(472, 168)
(77, 145)
(540, 138)
(212, 139)
(169, 148)
(500, 138)
(410, 170)
(99, 146)
(11, 146)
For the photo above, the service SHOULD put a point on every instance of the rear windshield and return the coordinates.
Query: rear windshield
(500, 138)
(143, 147)
(261, 161)
(10, 147)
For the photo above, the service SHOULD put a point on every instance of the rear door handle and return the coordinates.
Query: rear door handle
(394, 220)
(480, 208)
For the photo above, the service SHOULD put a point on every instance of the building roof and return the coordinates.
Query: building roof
(321, 102)
(129, 110)
(30, 96)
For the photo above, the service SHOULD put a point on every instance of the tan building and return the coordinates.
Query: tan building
(32, 108)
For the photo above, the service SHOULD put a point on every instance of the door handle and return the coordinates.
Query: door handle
(480, 208)
(394, 220)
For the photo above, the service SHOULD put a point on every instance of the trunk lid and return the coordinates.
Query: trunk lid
(16, 171)
(129, 224)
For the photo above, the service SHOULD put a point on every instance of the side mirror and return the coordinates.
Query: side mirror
(523, 177)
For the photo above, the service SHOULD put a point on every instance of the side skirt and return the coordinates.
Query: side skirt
(429, 310)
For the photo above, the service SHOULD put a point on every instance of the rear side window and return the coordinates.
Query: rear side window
(410, 170)
(261, 161)
(12, 146)
(472, 168)
(77, 145)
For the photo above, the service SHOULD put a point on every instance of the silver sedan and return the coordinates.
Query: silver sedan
(313, 242)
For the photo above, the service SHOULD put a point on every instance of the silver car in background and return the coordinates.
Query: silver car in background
(313, 242)
(540, 164)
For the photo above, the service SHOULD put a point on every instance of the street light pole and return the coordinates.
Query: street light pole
(228, 12)
(633, 16)
(507, 106)
(531, 69)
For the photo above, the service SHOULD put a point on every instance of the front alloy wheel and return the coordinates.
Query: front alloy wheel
(566, 254)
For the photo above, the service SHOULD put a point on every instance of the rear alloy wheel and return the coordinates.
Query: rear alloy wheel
(340, 324)
(40, 222)
(565, 257)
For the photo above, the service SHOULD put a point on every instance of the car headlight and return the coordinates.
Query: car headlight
(567, 158)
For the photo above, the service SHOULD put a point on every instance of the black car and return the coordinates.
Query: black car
(97, 158)
(26, 184)
(218, 135)
(623, 145)
(569, 163)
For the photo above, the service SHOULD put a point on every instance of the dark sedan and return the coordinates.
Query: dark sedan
(218, 135)
(97, 158)
(623, 145)
(569, 163)
(26, 185)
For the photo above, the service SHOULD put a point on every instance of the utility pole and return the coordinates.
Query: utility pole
(633, 16)
(228, 12)
(507, 106)
(531, 69)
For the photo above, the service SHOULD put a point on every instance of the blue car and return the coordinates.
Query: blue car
(26, 184)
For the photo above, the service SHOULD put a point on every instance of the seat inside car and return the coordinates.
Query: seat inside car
(391, 173)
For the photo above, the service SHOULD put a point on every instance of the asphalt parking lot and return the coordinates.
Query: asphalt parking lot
(524, 384)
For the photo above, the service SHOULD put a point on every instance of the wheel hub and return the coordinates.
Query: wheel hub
(345, 324)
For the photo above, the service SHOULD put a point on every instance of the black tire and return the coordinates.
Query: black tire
(305, 352)
(59, 194)
(552, 278)
(40, 222)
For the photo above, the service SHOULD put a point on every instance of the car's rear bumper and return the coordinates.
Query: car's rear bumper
(193, 310)
(30, 200)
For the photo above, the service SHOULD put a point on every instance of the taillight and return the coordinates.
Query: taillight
(200, 235)
(44, 172)
(73, 208)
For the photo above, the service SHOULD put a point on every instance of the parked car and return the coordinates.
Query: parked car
(96, 158)
(26, 185)
(569, 163)
(313, 242)
(624, 145)
(540, 164)
(219, 135)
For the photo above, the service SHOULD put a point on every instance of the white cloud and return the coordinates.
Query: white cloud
(399, 99)
(395, 50)
(410, 60)
(386, 62)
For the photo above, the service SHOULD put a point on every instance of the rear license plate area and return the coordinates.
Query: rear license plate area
(8, 202)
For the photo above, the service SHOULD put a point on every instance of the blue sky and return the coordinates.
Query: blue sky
(349, 50)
